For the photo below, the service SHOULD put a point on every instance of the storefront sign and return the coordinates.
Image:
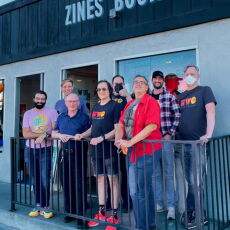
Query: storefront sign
(90, 9)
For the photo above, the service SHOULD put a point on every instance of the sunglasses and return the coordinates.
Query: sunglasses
(101, 89)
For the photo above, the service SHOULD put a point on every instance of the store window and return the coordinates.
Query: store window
(1, 111)
(167, 63)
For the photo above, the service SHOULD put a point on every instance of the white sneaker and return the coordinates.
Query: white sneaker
(171, 213)
(160, 208)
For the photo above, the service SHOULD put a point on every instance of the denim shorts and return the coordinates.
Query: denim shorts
(106, 167)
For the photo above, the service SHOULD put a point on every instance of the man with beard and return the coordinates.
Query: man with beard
(164, 161)
(38, 123)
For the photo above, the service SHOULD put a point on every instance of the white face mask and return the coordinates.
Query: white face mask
(190, 80)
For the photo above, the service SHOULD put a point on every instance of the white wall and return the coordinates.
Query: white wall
(212, 41)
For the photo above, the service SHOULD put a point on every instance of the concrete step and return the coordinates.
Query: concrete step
(19, 221)
(5, 227)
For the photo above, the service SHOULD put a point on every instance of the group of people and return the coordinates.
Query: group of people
(132, 120)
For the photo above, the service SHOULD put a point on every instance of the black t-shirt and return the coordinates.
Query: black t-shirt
(103, 119)
(193, 122)
(121, 101)
(156, 96)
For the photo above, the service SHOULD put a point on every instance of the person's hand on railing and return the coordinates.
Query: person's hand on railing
(64, 137)
(39, 139)
(96, 140)
(204, 139)
(123, 143)
(78, 137)
(117, 143)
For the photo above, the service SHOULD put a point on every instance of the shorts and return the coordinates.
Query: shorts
(105, 167)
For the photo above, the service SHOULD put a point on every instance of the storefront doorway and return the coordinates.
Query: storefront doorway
(85, 81)
(26, 87)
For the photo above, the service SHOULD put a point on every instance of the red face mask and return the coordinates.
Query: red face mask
(171, 83)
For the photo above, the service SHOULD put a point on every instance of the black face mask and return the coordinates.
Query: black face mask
(118, 87)
(39, 105)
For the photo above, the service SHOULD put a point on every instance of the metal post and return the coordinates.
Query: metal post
(12, 145)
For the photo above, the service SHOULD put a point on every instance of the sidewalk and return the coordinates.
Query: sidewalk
(19, 219)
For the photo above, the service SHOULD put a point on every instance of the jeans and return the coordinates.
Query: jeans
(74, 180)
(189, 169)
(40, 169)
(164, 171)
(141, 190)
(180, 181)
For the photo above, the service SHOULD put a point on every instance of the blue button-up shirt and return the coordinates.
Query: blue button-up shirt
(65, 124)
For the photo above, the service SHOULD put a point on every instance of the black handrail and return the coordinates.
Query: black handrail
(211, 174)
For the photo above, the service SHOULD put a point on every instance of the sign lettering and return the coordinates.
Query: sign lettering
(90, 9)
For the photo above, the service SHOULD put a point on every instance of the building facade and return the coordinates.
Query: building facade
(45, 41)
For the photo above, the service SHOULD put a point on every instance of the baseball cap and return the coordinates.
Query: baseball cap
(157, 73)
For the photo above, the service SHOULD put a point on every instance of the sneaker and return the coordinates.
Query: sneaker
(171, 213)
(205, 221)
(47, 214)
(113, 220)
(191, 220)
(98, 216)
(34, 212)
(160, 208)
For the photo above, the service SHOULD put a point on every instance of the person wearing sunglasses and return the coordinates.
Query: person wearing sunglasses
(140, 120)
(105, 116)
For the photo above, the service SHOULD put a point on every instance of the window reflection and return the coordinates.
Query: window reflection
(3, 2)
(167, 63)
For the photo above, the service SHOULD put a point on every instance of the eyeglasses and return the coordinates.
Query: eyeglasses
(101, 89)
(139, 83)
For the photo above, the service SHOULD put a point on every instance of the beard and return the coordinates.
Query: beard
(158, 86)
(39, 105)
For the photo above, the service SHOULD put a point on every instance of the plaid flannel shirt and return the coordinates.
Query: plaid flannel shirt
(170, 113)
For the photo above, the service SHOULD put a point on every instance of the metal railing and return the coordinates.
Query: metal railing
(66, 178)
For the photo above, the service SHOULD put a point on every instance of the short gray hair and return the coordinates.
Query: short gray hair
(72, 94)
(138, 75)
(193, 66)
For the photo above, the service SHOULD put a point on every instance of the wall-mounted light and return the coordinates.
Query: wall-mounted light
(112, 13)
